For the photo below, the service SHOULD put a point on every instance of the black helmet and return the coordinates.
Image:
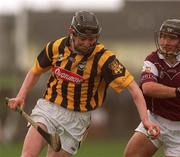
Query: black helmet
(171, 26)
(86, 23)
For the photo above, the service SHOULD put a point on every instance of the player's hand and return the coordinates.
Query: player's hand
(153, 130)
(13, 103)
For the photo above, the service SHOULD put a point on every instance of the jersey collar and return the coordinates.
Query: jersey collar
(162, 57)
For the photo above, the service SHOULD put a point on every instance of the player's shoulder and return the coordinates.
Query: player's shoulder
(102, 49)
(57, 42)
(152, 57)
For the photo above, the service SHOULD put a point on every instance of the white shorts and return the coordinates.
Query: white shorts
(72, 126)
(169, 136)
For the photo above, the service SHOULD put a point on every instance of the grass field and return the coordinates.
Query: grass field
(90, 148)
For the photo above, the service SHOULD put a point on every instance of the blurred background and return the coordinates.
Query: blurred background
(27, 25)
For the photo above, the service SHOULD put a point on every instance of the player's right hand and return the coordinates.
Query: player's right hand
(153, 133)
(13, 103)
(153, 130)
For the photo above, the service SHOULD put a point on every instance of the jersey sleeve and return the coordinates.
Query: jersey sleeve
(115, 74)
(43, 61)
(149, 72)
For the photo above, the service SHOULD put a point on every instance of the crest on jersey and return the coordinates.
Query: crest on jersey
(147, 69)
(116, 67)
(81, 65)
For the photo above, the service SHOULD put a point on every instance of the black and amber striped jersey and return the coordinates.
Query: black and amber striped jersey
(79, 82)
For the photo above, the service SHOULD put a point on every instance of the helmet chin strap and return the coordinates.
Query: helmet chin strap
(169, 55)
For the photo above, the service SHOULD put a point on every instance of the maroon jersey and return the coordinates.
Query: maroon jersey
(155, 69)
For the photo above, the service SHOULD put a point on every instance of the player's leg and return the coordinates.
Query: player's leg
(33, 143)
(69, 146)
(139, 146)
(61, 153)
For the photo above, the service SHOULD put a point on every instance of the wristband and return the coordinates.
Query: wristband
(178, 92)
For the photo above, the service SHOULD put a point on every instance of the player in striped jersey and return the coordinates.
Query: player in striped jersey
(81, 71)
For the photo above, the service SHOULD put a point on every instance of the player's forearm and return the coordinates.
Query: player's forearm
(28, 84)
(139, 101)
(142, 109)
(158, 90)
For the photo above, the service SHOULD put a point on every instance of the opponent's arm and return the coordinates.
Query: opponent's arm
(141, 107)
(158, 90)
(150, 85)
(29, 82)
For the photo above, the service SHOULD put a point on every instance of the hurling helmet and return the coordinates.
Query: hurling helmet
(170, 27)
(86, 24)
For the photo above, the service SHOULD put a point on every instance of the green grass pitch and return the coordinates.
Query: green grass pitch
(90, 148)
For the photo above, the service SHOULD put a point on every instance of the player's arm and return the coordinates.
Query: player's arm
(138, 100)
(141, 106)
(29, 82)
(41, 65)
(158, 90)
(150, 85)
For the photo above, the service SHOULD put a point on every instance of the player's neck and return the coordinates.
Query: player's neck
(171, 60)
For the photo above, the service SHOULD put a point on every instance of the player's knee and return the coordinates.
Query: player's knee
(28, 154)
(128, 154)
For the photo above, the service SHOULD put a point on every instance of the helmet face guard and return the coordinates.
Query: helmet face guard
(170, 28)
